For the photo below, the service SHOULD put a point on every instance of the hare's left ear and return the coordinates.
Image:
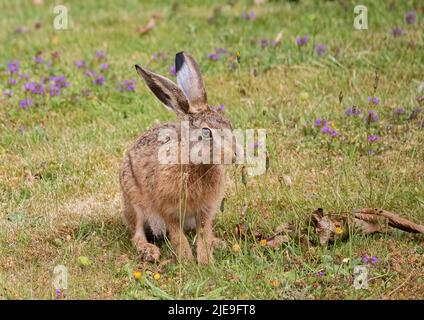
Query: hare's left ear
(189, 79)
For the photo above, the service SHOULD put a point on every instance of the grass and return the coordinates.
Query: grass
(59, 160)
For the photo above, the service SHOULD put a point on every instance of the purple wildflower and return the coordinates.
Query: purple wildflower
(320, 122)
(373, 138)
(213, 56)
(8, 93)
(302, 41)
(24, 75)
(172, 71)
(410, 17)
(129, 85)
(397, 32)
(26, 103)
(21, 30)
(264, 43)
(154, 56)
(104, 66)
(101, 55)
(54, 91)
(399, 111)
(365, 259)
(326, 129)
(38, 59)
(58, 294)
(320, 49)
(38, 88)
(55, 55)
(415, 112)
(89, 73)
(12, 81)
(248, 16)
(29, 86)
(321, 273)
(372, 116)
(220, 108)
(221, 50)
(80, 64)
(99, 80)
(374, 260)
(60, 81)
(353, 111)
(374, 100)
(13, 67)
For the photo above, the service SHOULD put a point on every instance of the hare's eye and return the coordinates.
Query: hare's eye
(206, 133)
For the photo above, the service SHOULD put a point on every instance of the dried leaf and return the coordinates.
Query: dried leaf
(325, 228)
(149, 26)
(287, 180)
(277, 241)
(278, 37)
(244, 209)
(243, 229)
(284, 228)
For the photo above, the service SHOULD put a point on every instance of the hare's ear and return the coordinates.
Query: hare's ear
(190, 81)
(165, 90)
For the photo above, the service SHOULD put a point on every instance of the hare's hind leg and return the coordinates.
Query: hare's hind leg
(135, 220)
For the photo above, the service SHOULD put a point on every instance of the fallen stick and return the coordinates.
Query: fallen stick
(366, 221)
(393, 219)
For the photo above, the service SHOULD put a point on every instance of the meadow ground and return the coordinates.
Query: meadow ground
(60, 151)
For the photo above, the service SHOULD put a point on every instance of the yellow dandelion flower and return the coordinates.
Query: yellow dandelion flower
(275, 283)
(339, 230)
(263, 242)
(137, 275)
(55, 40)
(236, 248)
(156, 276)
(238, 55)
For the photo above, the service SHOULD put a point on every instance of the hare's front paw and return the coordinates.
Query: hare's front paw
(148, 252)
(183, 253)
(205, 252)
(203, 257)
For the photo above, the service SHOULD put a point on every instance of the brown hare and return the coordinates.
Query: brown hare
(184, 195)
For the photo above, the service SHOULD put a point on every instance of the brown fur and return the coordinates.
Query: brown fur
(175, 193)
